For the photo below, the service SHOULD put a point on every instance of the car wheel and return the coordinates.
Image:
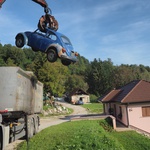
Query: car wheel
(19, 41)
(65, 62)
(51, 55)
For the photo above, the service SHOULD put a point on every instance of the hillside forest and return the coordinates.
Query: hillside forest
(96, 77)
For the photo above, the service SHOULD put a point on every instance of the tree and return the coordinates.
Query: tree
(99, 76)
(15, 55)
(79, 67)
(53, 75)
(75, 81)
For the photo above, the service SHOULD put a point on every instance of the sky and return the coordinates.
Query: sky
(101, 29)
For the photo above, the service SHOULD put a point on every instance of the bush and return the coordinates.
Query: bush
(107, 124)
(46, 107)
(93, 98)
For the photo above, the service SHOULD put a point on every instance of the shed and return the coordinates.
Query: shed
(77, 94)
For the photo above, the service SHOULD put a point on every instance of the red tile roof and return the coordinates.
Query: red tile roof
(78, 91)
(134, 92)
(111, 95)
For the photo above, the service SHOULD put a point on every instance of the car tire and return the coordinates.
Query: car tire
(19, 41)
(65, 62)
(51, 55)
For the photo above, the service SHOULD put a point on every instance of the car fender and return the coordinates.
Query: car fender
(25, 37)
(57, 47)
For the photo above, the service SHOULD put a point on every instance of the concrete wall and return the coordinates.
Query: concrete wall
(131, 115)
(136, 119)
(18, 92)
(85, 98)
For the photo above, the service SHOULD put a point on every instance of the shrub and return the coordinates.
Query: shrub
(93, 98)
(107, 124)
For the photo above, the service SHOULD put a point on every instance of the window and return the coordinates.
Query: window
(66, 40)
(146, 111)
(53, 37)
(120, 112)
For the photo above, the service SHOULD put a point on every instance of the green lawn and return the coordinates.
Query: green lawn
(85, 135)
(132, 140)
(94, 107)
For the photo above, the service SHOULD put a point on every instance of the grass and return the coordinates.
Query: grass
(85, 135)
(132, 140)
(94, 107)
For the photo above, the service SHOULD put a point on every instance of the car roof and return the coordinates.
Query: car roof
(58, 34)
(55, 32)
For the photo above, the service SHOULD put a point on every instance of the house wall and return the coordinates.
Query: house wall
(106, 108)
(136, 119)
(119, 112)
(85, 98)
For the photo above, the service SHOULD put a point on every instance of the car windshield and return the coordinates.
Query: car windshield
(66, 40)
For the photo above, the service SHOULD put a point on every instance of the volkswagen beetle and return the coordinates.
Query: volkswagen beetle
(54, 44)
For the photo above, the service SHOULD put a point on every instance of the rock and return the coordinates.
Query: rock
(45, 113)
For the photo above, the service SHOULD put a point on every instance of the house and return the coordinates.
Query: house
(78, 94)
(130, 105)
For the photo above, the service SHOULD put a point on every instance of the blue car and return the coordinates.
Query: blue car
(54, 44)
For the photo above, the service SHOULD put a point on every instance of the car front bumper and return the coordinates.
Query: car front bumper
(72, 59)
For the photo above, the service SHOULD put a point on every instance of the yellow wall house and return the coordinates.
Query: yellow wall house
(78, 94)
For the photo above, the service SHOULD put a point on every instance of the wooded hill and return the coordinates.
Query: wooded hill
(96, 77)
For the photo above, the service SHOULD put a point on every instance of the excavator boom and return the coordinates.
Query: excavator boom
(1, 2)
(41, 2)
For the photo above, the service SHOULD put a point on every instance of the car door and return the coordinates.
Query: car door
(45, 40)
(38, 41)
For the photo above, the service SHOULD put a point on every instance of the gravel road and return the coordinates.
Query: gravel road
(47, 122)
(78, 110)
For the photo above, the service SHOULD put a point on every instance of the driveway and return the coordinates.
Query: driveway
(50, 121)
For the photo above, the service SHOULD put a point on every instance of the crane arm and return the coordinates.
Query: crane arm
(45, 21)
(1, 2)
(43, 3)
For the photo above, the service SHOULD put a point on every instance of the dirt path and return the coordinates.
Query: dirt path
(78, 110)
(50, 121)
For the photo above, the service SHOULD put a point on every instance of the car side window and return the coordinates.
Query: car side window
(53, 37)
